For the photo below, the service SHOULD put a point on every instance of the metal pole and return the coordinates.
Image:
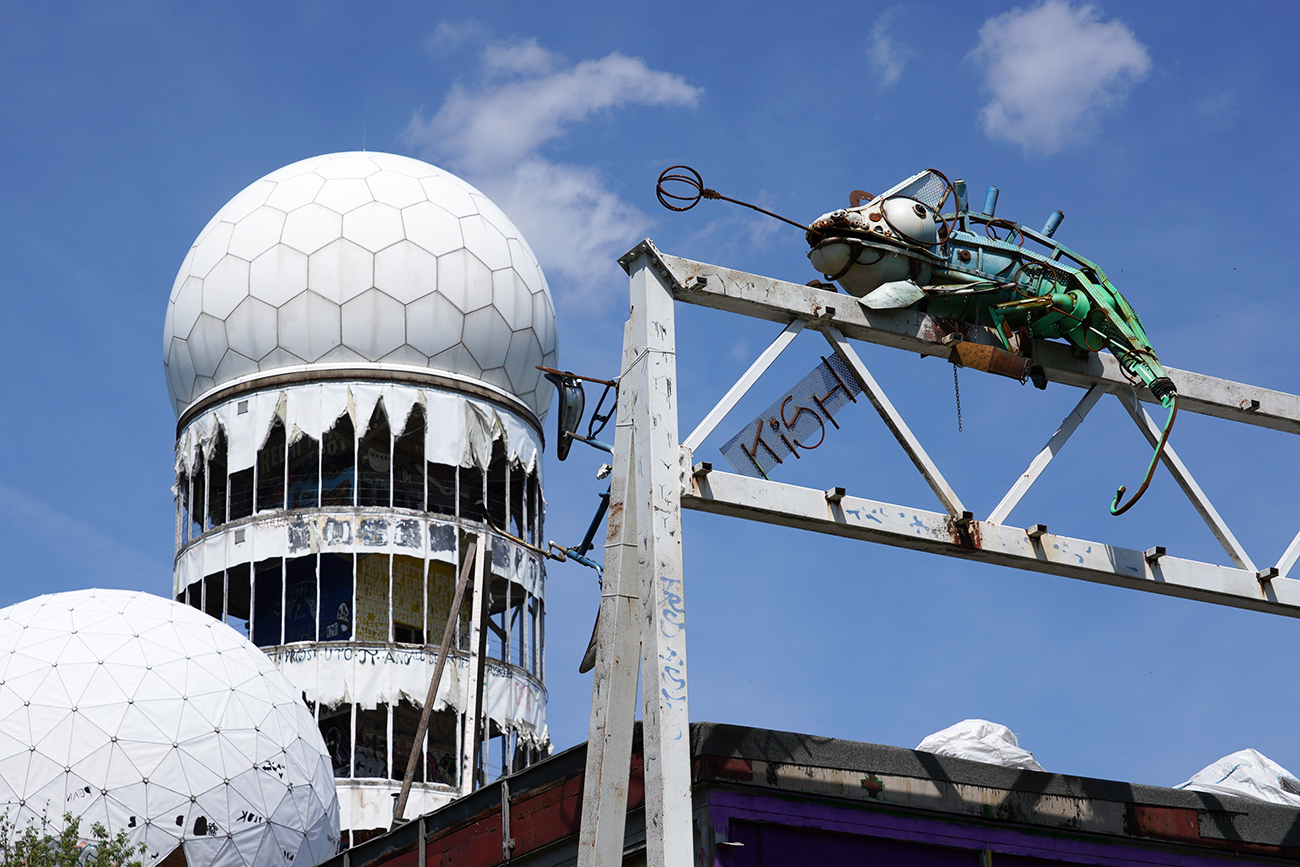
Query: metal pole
(443, 649)
(618, 642)
(658, 481)
(474, 691)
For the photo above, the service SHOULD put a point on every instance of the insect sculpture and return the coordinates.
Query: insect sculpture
(899, 249)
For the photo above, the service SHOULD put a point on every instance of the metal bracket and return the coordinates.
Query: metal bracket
(507, 842)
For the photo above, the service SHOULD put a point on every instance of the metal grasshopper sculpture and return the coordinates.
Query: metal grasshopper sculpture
(899, 249)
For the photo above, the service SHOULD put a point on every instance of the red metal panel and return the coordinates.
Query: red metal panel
(724, 768)
(1165, 823)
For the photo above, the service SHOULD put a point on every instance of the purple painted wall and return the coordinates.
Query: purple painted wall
(779, 830)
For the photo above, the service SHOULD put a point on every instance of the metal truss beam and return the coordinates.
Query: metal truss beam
(1026, 481)
(777, 301)
(903, 527)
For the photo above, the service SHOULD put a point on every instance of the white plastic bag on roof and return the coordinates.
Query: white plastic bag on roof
(981, 741)
(1247, 774)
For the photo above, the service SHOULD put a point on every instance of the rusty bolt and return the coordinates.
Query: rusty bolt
(964, 255)
(874, 216)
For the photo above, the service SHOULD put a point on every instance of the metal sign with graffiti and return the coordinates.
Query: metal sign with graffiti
(798, 420)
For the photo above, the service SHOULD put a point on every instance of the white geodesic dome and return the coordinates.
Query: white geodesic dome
(360, 259)
(155, 719)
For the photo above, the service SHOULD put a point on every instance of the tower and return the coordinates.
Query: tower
(351, 347)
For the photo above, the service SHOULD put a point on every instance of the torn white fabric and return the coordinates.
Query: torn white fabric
(330, 674)
(518, 701)
(1247, 774)
(981, 741)
(369, 676)
(459, 431)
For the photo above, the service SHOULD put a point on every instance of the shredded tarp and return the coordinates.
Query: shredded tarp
(981, 741)
(1247, 774)
(460, 430)
(371, 676)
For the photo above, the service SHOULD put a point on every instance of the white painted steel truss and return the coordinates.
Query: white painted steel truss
(642, 623)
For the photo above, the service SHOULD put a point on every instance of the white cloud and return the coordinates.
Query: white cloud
(887, 59)
(491, 132)
(525, 57)
(498, 123)
(1052, 70)
(452, 35)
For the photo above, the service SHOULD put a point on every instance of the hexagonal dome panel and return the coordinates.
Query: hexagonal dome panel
(365, 257)
(152, 718)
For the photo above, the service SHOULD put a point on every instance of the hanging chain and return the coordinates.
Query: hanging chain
(956, 387)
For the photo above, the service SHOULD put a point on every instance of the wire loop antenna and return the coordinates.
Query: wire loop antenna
(695, 190)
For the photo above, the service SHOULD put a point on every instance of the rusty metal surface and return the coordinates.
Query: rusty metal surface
(990, 359)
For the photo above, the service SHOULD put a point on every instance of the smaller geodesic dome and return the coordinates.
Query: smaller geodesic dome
(152, 718)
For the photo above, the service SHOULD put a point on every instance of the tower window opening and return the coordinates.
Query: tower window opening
(472, 507)
(539, 512)
(530, 623)
(270, 470)
(217, 469)
(534, 526)
(408, 600)
(518, 485)
(441, 593)
(442, 756)
(495, 757)
(518, 639)
(268, 602)
(214, 595)
(239, 597)
(182, 509)
(338, 464)
(442, 489)
(497, 486)
(241, 494)
(304, 473)
(370, 749)
(300, 599)
(193, 595)
(498, 637)
(336, 602)
(408, 463)
(199, 501)
(375, 461)
(336, 730)
(373, 614)
(406, 722)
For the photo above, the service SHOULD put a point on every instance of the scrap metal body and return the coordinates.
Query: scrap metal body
(898, 250)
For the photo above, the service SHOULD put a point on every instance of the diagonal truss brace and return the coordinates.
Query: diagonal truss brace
(1185, 481)
(743, 385)
(929, 470)
(1054, 445)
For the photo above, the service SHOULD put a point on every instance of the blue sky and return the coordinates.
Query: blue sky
(1167, 139)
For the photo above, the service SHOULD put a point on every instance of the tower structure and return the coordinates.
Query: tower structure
(351, 348)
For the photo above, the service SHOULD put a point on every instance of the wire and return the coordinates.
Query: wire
(1115, 508)
(695, 182)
